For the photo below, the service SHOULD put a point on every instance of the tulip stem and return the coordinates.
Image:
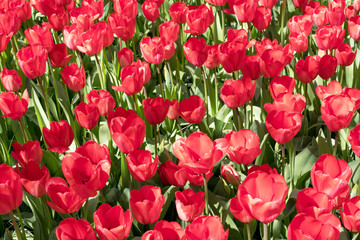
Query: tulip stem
(206, 195)
(135, 103)
(155, 135)
(86, 209)
(23, 130)
(55, 88)
(47, 212)
(342, 74)
(283, 12)
(181, 132)
(3, 61)
(21, 222)
(238, 118)
(305, 108)
(16, 226)
(223, 23)
(160, 81)
(248, 231)
(283, 159)
(171, 76)
(266, 231)
(206, 93)
(102, 82)
(91, 135)
(181, 45)
(245, 120)
(45, 99)
(336, 143)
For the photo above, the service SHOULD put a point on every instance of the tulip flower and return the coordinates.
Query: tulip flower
(238, 211)
(344, 55)
(308, 69)
(73, 77)
(288, 103)
(171, 230)
(349, 214)
(150, 10)
(9, 24)
(354, 140)
(230, 174)
(39, 36)
(173, 112)
(170, 173)
(112, 222)
(332, 89)
(298, 42)
(329, 37)
(206, 227)
(141, 165)
(71, 228)
(245, 10)
(87, 115)
(29, 152)
(132, 79)
(199, 18)
(59, 55)
(312, 202)
(189, 204)
(103, 100)
(126, 8)
(12, 106)
(11, 80)
(281, 85)
(59, 136)
(122, 26)
(262, 18)
(146, 204)
(231, 55)
(178, 12)
(192, 109)
(250, 66)
(272, 62)
(155, 109)
(32, 60)
(236, 93)
(125, 57)
(169, 30)
(34, 179)
(327, 66)
(58, 21)
(300, 24)
(10, 189)
(152, 49)
(353, 27)
(195, 51)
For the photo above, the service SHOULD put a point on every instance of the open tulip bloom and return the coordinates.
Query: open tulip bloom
(179, 119)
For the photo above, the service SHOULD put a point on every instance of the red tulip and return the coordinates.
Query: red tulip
(287, 102)
(263, 193)
(73, 229)
(206, 227)
(11, 80)
(308, 69)
(20, 8)
(169, 30)
(87, 115)
(199, 18)
(236, 93)
(195, 51)
(72, 36)
(250, 66)
(230, 174)
(83, 17)
(32, 60)
(59, 55)
(141, 166)
(344, 55)
(198, 179)
(103, 100)
(155, 109)
(170, 173)
(268, 3)
(350, 214)
(150, 10)
(59, 136)
(96, 7)
(125, 57)
(312, 202)
(87, 169)
(309, 8)
(178, 12)
(39, 36)
(326, 226)
(262, 18)
(330, 175)
(34, 179)
(327, 66)
(122, 26)
(4, 40)
(239, 212)
(354, 95)
(350, 12)
(172, 230)
(231, 54)
(300, 3)
(152, 49)
(127, 129)
(333, 88)
(245, 10)
(337, 112)
(112, 222)
(12, 106)
(282, 125)
(126, 8)
(329, 37)
(47, 7)
(300, 24)
(320, 16)
(10, 189)
(336, 16)
(73, 77)
(272, 62)
(189, 204)
(213, 59)
(192, 109)
(281, 85)
(9, 24)
(197, 153)
(146, 204)
(298, 42)
(239, 35)
(58, 21)
(63, 198)
(354, 140)
(173, 112)
(132, 78)
(29, 152)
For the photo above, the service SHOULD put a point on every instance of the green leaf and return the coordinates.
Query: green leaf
(304, 162)
(52, 163)
(169, 197)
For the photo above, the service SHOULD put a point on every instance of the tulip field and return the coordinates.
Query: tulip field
(179, 119)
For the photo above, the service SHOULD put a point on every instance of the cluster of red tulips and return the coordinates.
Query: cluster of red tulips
(167, 119)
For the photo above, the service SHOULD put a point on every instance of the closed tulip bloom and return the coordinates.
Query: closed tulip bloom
(263, 193)
(34, 179)
(206, 227)
(122, 26)
(231, 55)
(354, 140)
(127, 129)
(112, 222)
(272, 62)
(262, 18)
(333, 88)
(126, 8)
(281, 85)
(82, 17)
(329, 37)
(169, 49)
(354, 27)
(336, 16)
(87, 115)
(321, 16)
(169, 30)
(58, 21)
(213, 59)
(63, 198)
(344, 55)
(199, 18)
(308, 69)
(239, 35)
(327, 66)
(73, 77)
(300, 24)
(330, 175)
(155, 109)
(32, 60)
(189, 204)
(146, 204)
(72, 36)
(298, 42)
(309, 8)
(125, 57)
(173, 112)
(132, 80)
(59, 136)
(152, 49)
(250, 66)
(178, 12)
(87, 169)
(12, 106)
(337, 112)
(38, 35)
(350, 214)
(350, 12)
(354, 95)
(4, 40)
(230, 174)
(29, 152)
(10, 189)
(96, 7)
(11, 80)
(103, 100)
(47, 7)
(195, 51)
(243, 146)
(170, 173)
(171, 230)
(197, 153)
(283, 125)
(268, 3)
(324, 227)
(312, 202)
(9, 24)
(95, 39)
(192, 109)
(20, 8)
(245, 10)
(141, 165)
(152, 234)
(59, 55)
(287, 102)
(150, 10)
(73, 229)
(236, 93)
